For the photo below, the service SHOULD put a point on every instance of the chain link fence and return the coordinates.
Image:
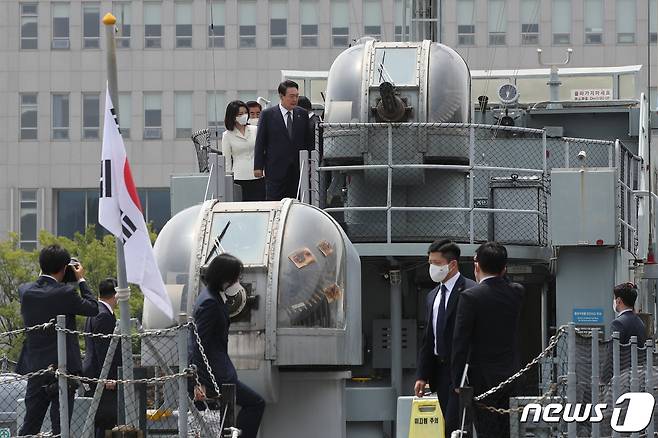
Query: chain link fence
(166, 397)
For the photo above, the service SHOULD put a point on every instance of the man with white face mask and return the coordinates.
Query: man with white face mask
(435, 349)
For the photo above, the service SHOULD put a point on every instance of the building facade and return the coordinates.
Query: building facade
(181, 62)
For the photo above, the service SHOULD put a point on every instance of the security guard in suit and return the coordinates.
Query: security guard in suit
(95, 352)
(627, 322)
(41, 301)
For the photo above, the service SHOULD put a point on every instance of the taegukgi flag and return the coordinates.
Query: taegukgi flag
(120, 212)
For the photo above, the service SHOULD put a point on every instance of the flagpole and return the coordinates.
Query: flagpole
(123, 291)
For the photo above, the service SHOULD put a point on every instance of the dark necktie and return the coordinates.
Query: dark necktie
(289, 124)
(440, 323)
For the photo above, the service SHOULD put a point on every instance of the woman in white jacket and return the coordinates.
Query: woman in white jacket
(238, 142)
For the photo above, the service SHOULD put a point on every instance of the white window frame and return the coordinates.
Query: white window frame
(308, 39)
(27, 17)
(152, 132)
(61, 42)
(217, 33)
(32, 204)
(183, 132)
(247, 40)
(122, 10)
(91, 132)
(593, 36)
(30, 106)
(337, 38)
(530, 31)
(279, 40)
(183, 39)
(153, 41)
(60, 132)
(91, 42)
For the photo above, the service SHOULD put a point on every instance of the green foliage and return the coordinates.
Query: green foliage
(17, 266)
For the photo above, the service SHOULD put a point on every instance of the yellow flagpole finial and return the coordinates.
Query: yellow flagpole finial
(109, 19)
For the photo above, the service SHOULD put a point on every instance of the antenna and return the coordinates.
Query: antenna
(554, 79)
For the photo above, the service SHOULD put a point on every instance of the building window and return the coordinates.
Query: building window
(593, 22)
(309, 23)
(216, 107)
(60, 26)
(183, 114)
(399, 17)
(123, 13)
(152, 116)
(125, 114)
(561, 21)
(60, 116)
(183, 25)
(626, 21)
(28, 116)
(247, 20)
(77, 209)
(278, 24)
(29, 27)
(465, 22)
(152, 25)
(156, 206)
(91, 25)
(247, 95)
(372, 18)
(497, 23)
(217, 25)
(340, 23)
(91, 110)
(28, 230)
(530, 22)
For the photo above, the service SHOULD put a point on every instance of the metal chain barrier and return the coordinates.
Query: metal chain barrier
(150, 333)
(160, 379)
(551, 345)
(205, 358)
(23, 330)
(551, 390)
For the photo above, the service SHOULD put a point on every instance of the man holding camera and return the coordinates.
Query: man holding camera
(42, 301)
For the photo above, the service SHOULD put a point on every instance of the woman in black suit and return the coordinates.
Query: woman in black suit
(212, 320)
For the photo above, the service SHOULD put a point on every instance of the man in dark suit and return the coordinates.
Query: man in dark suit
(95, 352)
(627, 322)
(42, 301)
(486, 336)
(283, 131)
(436, 346)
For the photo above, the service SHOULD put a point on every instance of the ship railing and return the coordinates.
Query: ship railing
(392, 182)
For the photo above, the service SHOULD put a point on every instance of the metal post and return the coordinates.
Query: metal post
(571, 375)
(303, 187)
(615, 371)
(648, 385)
(389, 184)
(315, 178)
(544, 316)
(88, 430)
(182, 383)
(123, 291)
(404, 22)
(62, 383)
(635, 380)
(471, 183)
(567, 151)
(396, 330)
(596, 382)
(544, 147)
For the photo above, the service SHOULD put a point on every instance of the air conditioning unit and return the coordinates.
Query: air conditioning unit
(61, 43)
(152, 133)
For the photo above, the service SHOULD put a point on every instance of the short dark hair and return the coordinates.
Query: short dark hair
(283, 86)
(107, 288)
(447, 248)
(53, 258)
(223, 269)
(305, 103)
(627, 292)
(253, 103)
(232, 110)
(491, 257)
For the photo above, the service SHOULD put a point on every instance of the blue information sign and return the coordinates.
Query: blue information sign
(588, 316)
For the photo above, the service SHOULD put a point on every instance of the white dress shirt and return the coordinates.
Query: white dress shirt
(239, 152)
(108, 306)
(284, 113)
(450, 284)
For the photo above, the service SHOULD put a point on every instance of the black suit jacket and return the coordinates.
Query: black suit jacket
(629, 324)
(42, 301)
(486, 333)
(212, 320)
(275, 151)
(426, 361)
(96, 348)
